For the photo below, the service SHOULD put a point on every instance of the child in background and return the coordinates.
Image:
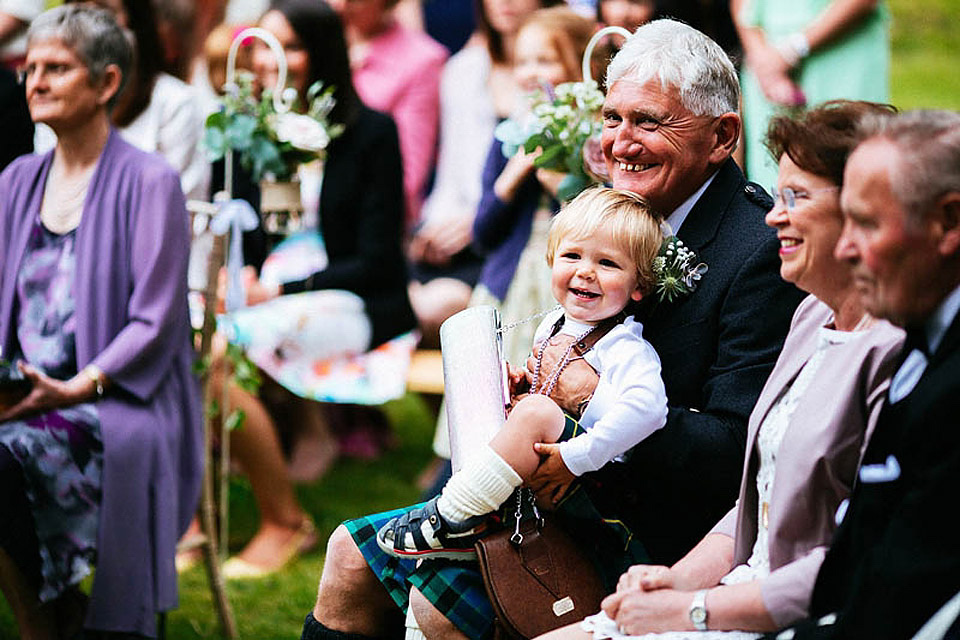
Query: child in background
(601, 249)
(518, 199)
(628, 14)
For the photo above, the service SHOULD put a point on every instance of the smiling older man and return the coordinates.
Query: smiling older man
(670, 126)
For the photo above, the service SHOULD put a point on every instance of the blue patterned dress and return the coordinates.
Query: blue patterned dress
(60, 451)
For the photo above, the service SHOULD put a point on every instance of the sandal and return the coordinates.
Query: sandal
(423, 533)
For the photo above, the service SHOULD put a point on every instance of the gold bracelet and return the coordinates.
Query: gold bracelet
(93, 372)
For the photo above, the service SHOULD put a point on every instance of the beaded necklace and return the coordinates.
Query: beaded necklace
(564, 361)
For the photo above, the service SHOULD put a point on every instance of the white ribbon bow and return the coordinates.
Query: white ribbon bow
(235, 216)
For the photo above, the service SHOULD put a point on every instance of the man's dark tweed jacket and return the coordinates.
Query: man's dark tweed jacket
(717, 347)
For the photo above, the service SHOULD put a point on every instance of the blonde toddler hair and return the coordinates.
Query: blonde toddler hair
(626, 215)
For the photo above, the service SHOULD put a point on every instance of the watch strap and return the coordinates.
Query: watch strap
(698, 610)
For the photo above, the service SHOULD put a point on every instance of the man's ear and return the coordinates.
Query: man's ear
(726, 131)
(637, 294)
(948, 214)
(109, 83)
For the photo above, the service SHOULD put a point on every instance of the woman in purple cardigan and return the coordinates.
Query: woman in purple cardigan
(101, 460)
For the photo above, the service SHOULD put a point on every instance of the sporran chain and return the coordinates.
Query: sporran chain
(535, 316)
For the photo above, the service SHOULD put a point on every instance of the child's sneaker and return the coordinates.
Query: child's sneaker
(423, 533)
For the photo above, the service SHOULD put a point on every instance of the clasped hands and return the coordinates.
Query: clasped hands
(650, 599)
(773, 74)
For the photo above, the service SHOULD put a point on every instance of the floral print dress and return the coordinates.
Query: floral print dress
(60, 452)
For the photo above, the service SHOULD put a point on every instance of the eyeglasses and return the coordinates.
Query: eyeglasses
(54, 72)
(788, 197)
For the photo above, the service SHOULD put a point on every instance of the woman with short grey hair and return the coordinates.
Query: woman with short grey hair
(92, 35)
(100, 432)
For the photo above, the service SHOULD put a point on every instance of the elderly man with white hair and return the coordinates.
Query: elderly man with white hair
(670, 127)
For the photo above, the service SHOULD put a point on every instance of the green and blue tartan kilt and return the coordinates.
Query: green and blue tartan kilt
(456, 589)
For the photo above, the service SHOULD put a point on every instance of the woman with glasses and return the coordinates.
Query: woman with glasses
(754, 572)
(100, 451)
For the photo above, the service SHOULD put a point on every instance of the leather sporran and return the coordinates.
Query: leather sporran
(536, 576)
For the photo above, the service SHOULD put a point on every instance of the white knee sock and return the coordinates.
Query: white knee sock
(413, 629)
(480, 487)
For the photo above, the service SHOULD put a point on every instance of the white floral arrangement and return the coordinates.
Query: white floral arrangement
(270, 144)
(562, 120)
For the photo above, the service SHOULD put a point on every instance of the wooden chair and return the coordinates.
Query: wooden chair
(426, 372)
(208, 540)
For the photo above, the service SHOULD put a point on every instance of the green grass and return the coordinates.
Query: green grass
(925, 73)
(926, 40)
(275, 607)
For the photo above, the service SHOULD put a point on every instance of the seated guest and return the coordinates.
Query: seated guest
(755, 570)
(715, 355)
(356, 302)
(101, 460)
(477, 88)
(895, 559)
(156, 112)
(397, 70)
(519, 200)
(601, 250)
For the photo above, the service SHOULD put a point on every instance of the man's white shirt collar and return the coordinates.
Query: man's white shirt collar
(675, 219)
(909, 373)
(936, 327)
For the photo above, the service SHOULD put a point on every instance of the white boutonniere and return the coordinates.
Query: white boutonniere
(677, 270)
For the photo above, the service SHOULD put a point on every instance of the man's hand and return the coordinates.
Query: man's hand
(552, 478)
(575, 387)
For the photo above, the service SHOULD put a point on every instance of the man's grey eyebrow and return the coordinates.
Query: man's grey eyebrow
(633, 113)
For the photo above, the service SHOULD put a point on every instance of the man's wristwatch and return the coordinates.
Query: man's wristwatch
(698, 610)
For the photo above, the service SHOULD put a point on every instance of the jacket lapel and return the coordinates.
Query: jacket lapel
(702, 223)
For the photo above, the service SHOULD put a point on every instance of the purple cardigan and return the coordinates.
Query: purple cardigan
(132, 322)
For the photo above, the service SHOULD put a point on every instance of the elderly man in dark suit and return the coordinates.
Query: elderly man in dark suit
(670, 127)
(896, 557)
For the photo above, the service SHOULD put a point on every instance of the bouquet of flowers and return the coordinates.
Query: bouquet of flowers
(562, 120)
(268, 142)
(676, 269)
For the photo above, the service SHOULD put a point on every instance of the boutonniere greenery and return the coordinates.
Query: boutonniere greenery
(560, 122)
(676, 269)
